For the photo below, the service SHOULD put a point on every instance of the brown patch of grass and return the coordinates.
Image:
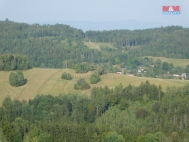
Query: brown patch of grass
(48, 81)
(176, 62)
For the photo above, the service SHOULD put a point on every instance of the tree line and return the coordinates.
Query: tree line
(10, 62)
(57, 46)
(45, 45)
(171, 41)
(141, 113)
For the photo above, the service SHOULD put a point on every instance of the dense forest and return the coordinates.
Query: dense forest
(57, 46)
(9, 62)
(124, 114)
(141, 113)
(45, 45)
(171, 42)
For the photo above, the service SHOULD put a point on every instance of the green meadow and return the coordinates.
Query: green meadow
(48, 81)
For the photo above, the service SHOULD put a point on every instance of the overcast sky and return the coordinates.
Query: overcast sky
(33, 11)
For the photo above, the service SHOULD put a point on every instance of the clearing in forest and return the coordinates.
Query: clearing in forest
(48, 81)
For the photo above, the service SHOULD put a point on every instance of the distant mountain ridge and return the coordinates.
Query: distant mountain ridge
(109, 25)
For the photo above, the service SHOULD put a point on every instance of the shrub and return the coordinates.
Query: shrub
(82, 68)
(95, 78)
(66, 76)
(81, 84)
(17, 79)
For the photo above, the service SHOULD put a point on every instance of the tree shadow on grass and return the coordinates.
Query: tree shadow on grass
(25, 81)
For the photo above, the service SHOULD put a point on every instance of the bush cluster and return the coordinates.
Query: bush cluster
(95, 78)
(17, 79)
(66, 76)
(81, 84)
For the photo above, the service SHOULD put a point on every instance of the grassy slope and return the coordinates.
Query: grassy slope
(92, 45)
(97, 45)
(176, 62)
(47, 81)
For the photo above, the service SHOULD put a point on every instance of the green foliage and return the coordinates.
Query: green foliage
(175, 137)
(187, 70)
(114, 137)
(101, 70)
(98, 117)
(81, 68)
(17, 79)
(95, 78)
(162, 42)
(46, 45)
(123, 104)
(165, 66)
(20, 76)
(161, 137)
(7, 103)
(81, 84)
(66, 76)
(13, 79)
(112, 100)
(151, 138)
(8, 132)
(128, 138)
(156, 107)
(2, 136)
(58, 46)
(9, 62)
(140, 138)
(117, 114)
(44, 137)
(141, 113)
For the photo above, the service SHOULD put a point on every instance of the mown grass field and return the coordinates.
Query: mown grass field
(97, 45)
(48, 81)
(176, 62)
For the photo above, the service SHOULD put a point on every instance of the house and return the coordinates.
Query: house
(139, 71)
(118, 72)
(176, 75)
(183, 75)
(141, 68)
(126, 67)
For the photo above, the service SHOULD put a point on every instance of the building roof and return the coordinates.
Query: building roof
(183, 74)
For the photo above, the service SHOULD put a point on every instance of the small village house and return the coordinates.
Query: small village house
(118, 72)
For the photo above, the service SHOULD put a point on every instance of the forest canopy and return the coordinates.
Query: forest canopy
(10, 62)
(57, 46)
(127, 114)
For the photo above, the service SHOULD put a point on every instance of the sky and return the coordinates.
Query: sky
(37, 11)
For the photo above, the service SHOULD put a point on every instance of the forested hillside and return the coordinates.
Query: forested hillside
(172, 41)
(124, 114)
(46, 45)
(118, 113)
(10, 62)
(57, 46)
